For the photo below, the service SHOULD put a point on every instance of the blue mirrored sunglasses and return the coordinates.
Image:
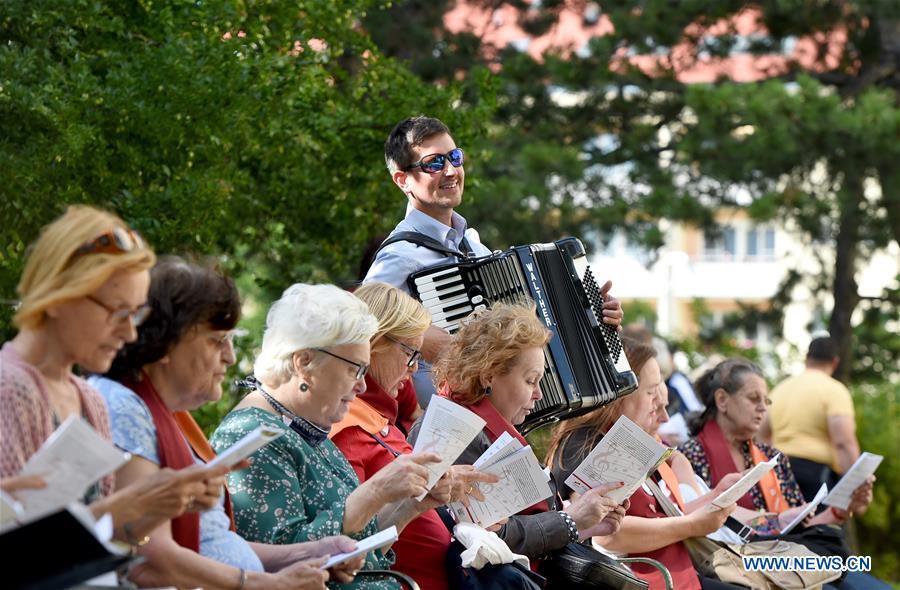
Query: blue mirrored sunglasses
(434, 163)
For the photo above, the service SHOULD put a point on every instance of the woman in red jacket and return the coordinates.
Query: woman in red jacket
(369, 435)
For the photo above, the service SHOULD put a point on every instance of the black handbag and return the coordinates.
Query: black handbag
(580, 567)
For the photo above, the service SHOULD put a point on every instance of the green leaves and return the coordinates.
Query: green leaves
(250, 128)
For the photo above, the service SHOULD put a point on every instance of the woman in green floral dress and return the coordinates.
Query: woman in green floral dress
(300, 487)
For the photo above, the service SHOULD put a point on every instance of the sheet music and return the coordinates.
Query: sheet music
(859, 472)
(249, 444)
(522, 484)
(743, 485)
(503, 447)
(626, 453)
(370, 543)
(447, 429)
(70, 460)
(810, 506)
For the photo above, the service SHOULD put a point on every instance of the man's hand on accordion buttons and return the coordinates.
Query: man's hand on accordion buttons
(612, 308)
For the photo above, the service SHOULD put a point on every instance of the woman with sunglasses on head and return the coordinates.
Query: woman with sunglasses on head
(724, 442)
(370, 438)
(313, 363)
(176, 365)
(83, 293)
(494, 366)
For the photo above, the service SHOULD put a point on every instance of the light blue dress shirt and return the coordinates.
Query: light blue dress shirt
(400, 259)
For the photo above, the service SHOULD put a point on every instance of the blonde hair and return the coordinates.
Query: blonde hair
(398, 314)
(54, 275)
(490, 342)
(308, 317)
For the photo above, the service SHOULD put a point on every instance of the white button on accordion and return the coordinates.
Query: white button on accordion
(585, 365)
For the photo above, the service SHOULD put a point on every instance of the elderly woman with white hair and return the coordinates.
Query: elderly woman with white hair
(313, 363)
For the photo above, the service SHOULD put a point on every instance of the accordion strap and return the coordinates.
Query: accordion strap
(427, 242)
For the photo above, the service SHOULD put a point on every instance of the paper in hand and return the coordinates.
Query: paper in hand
(522, 484)
(503, 447)
(447, 429)
(376, 541)
(249, 444)
(810, 506)
(626, 453)
(70, 460)
(858, 473)
(743, 485)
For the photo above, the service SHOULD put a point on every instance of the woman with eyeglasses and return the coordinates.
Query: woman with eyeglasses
(83, 293)
(724, 441)
(300, 487)
(369, 435)
(646, 531)
(493, 366)
(176, 365)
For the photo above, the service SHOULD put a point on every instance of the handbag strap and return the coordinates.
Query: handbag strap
(390, 449)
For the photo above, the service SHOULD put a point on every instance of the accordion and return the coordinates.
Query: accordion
(585, 366)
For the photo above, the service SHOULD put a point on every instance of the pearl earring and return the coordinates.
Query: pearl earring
(304, 387)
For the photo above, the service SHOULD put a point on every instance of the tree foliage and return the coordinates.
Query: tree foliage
(610, 135)
(253, 130)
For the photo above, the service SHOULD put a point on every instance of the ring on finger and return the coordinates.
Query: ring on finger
(470, 489)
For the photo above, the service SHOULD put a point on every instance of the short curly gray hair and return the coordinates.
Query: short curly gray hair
(309, 316)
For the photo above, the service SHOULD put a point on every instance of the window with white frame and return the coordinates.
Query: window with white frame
(760, 243)
(720, 243)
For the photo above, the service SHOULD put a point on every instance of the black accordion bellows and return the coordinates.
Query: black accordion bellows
(585, 365)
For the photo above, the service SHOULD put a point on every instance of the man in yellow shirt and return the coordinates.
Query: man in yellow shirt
(811, 420)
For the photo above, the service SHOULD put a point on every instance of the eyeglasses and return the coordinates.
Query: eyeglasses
(117, 315)
(756, 400)
(361, 368)
(222, 341)
(434, 163)
(414, 355)
(118, 240)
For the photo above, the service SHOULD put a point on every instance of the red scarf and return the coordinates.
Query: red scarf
(198, 441)
(496, 425)
(721, 464)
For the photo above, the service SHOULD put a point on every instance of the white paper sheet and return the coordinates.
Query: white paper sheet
(522, 484)
(503, 447)
(447, 429)
(376, 541)
(249, 444)
(858, 473)
(810, 506)
(743, 485)
(11, 510)
(626, 453)
(71, 459)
